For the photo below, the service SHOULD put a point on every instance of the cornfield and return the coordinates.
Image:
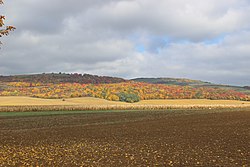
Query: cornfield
(29, 108)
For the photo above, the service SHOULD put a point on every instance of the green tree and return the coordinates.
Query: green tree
(128, 97)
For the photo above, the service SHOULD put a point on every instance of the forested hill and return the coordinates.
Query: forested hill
(116, 89)
(62, 78)
(171, 81)
(192, 83)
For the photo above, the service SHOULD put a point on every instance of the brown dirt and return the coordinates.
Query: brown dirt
(147, 138)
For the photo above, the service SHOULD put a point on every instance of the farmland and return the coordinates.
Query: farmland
(16, 103)
(22, 100)
(17, 100)
(93, 121)
(163, 138)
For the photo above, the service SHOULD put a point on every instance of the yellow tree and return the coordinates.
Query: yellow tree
(4, 30)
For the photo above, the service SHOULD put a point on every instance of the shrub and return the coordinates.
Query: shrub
(128, 97)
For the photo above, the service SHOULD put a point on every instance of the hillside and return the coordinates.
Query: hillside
(126, 91)
(192, 83)
(116, 89)
(61, 78)
(171, 81)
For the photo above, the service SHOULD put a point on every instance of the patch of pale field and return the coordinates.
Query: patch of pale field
(193, 102)
(24, 101)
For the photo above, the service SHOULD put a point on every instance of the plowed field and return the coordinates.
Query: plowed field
(131, 138)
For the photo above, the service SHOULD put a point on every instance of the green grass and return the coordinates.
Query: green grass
(51, 113)
(47, 113)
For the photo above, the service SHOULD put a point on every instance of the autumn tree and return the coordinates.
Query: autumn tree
(4, 30)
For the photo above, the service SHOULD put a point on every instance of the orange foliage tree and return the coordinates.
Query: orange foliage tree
(126, 91)
(4, 30)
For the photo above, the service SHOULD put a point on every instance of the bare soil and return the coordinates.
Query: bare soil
(136, 138)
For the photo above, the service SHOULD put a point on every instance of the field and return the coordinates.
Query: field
(17, 100)
(131, 138)
(24, 101)
(22, 104)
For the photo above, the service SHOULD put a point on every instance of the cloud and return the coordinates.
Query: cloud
(225, 62)
(206, 40)
(192, 20)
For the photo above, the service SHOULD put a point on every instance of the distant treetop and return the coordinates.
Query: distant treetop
(62, 78)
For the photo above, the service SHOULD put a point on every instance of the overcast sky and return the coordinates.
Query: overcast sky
(198, 39)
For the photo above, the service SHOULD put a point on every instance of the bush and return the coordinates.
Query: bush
(128, 97)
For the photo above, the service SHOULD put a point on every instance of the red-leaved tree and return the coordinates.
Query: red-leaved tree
(4, 30)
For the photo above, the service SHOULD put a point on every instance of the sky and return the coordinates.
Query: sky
(198, 39)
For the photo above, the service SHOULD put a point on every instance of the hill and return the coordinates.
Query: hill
(62, 78)
(125, 91)
(116, 89)
(171, 81)
(193, 83)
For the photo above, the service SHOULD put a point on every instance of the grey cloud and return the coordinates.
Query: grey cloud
(216, 62)
(194, 20)
(46, 16)
(102, 37)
